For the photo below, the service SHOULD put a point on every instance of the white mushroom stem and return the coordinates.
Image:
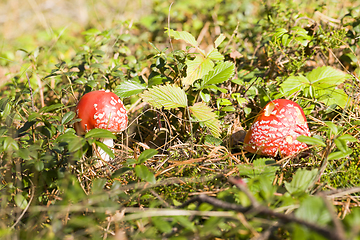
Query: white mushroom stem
(110, 144)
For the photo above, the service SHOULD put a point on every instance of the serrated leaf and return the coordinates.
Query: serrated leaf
(215, 55)
(293, 84)
(197, 68)
(221, 73)
(301, 181)
(67, 117)
(167, 96)
(99, 133)
(311, 140)
(145, 155)
(129, 88)
(333, 96)
(313, 210)
(183, 35)
(339, 154)
(326, 75)
(204, 114)
(144, 173)
(219, 40)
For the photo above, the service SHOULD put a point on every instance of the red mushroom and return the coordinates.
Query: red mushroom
(101, 109)
(276, 128)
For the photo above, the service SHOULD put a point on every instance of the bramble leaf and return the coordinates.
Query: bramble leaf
(219, 40)
(301, 181)
(215, 55)
(327, 75)
(222, 72)
(204, 113)
(293, 84)
(197, 69)
(167, 96)
(129, 88)
(182, 35)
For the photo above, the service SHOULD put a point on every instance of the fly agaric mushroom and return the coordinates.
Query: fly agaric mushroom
(101, 109)
(276, 128)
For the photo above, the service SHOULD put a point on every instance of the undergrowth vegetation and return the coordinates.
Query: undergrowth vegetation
(192, 75)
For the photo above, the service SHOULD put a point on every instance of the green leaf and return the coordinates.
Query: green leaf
(313, 210)
(183, 35)
(67, 117)
(145, 155)
(128, 88)
(75, 144)
(341, 145)
(206, 97)
(20, 201)
(228, 109)
(51, 107)
(293, 84)
(311, 140)
(39, 166)
(144, 173)
(219, 40)
(99, 133)
(221, 73)
(301, 181)
(339, 154)
(121, 171)
(10, 144)
(197, 69)
(332, 96)
(106, 149)
(167, 96)
(98, 185)
(333, 127)
(326, 75)
(185, 222)
(347, 137)
(215, 55)
(204, 114)
(161, 224)
(279, 32)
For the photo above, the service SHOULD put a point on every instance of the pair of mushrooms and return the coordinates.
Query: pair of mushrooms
(273, 132)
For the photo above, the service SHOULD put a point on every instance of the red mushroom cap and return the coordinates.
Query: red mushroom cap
(276, 128)
(101, 109)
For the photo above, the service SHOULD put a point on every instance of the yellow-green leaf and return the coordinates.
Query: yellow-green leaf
(197, 68)
(167, 96)
(204, 114)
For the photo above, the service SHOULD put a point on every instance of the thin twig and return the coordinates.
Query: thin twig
(27, 206)
(339, 228)
(31, 93)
